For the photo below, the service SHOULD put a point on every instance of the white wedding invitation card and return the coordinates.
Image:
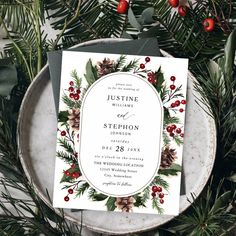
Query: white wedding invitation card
(120, 133)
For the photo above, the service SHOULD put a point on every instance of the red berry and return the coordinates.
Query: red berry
(159, 189)
(153, 194)
(142, 66)
(76, 96)
(174, 3)
(161, 195)
(151, 80)
(172, 87)
(67, 173)
(71, 83)
(122, 7)
(71, 95)
(76, 154)
(178, 131)
(63, 133)
(72, 166)
(169, 129)
(177, 103)
(173, 127)
(172, 105)
(208, 24)
(183, 102)
(172, 78)
(71, 89)
(70, 191)
(181, 110)
(78, 91)
(66, 198)
(147, 59)
(182, 10)
(172, 134)
(182, 135)
(154, 189)
(75, 175)
(161, 201)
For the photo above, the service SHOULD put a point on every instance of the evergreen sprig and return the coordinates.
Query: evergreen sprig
(209, 215)
(27, 215)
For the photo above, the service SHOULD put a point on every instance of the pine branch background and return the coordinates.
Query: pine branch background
(74, 21)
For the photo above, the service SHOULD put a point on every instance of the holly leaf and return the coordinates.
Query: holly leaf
(166, 114)
(97, 196)
(91, 73)
(160, 80)
(8, 79)
(65, 178)
(63, 116)
(110, 204)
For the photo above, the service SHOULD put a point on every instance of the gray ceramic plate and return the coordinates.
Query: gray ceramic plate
(37, 127)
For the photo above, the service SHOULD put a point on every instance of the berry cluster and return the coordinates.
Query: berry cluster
(151, 77)
(208, 23)
(173, 130)
(74, 92)
(70, 191)
(143, 65)
(122, 7)
(72, 172)
(157, 193)
(177, 103)
(182, 10)
(150, 74)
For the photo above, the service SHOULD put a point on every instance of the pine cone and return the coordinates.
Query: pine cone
(105, 67)
(125, 203)
(74, 119)
(168, 155)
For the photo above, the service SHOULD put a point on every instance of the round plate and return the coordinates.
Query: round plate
(37, 128)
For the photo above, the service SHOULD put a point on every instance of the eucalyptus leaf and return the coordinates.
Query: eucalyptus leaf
(214, 69)
(147, 15)
(230, 48)
(90, 75)
(232, 178)
(133, 21)
(8, 79)
(49, 213)
(222, 201)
